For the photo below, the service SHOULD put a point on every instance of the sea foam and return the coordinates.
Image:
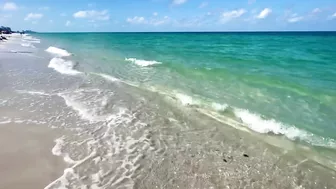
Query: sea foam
(219, 107)
(108, 77)
(27, 45)
(30, 39)
(57, 149)
(63, 66)
(185, 99)
(142, 63)
(89, 104)
(256, 123)
(39, 93)
(58, 52)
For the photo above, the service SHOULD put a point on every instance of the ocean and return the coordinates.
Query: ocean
(281, 83)
(132, 96)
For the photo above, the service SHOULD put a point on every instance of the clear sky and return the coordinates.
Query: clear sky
(168, 15)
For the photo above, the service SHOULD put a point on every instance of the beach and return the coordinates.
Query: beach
(26, 158)
(76, 113)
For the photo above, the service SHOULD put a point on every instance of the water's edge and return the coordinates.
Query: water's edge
(135, 135)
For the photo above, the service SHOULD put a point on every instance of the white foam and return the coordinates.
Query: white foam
(32, 41)
(28, 38)
(5, 122)
(40, 93)
(63, 66)
(185, 99)
(57, 149)
(108, 77)
(68, 159)
(219, 107)
(89, 104)
(29, 121)
(3, 102)
(70, 175)
(27, 45)
(256, 123)
(62, 182)
(113, 79)
(57, 51)
(142, 63)
(82, 110)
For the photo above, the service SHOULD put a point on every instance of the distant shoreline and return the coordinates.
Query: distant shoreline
(198, 32)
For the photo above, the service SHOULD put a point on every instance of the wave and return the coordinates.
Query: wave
(20, 121)
(39, 93)
(260, 125)
(243, 119)
(57, 51)
(30, 39)
(108, 77)
(185, 100)
(219, 107)
(114, 79)
(90, 104)
(5, 122)
(142, 63)
(256, 123)
(27, 45)
(63, 66)
(252, 121)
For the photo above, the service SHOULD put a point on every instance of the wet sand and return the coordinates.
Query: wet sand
(26, 161)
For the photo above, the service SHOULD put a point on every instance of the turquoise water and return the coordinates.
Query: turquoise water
(281, 83)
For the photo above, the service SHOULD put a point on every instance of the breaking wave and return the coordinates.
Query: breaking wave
(63, 66)
(142, 63)
(57, 51)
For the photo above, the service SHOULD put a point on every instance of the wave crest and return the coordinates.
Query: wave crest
(63, 66)
(256, 123)
(142, 63)
(57, 51)
(30, 39)
(27, 45)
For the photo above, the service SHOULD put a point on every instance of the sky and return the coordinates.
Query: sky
(168, 15)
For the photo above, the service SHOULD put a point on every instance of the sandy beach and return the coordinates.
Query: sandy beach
(26, 161)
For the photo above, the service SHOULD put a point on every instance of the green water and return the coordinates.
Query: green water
(283, 83)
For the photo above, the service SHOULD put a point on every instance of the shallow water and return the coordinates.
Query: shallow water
(147, 122)
(277, 82)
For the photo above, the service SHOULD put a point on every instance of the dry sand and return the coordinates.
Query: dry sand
(26, 161)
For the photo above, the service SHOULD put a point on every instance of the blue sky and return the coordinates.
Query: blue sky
(168, 15)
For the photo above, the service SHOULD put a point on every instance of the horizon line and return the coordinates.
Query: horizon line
(280, 31)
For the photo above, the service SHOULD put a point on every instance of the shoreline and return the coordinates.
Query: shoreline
(26, 159)
(155, 151)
